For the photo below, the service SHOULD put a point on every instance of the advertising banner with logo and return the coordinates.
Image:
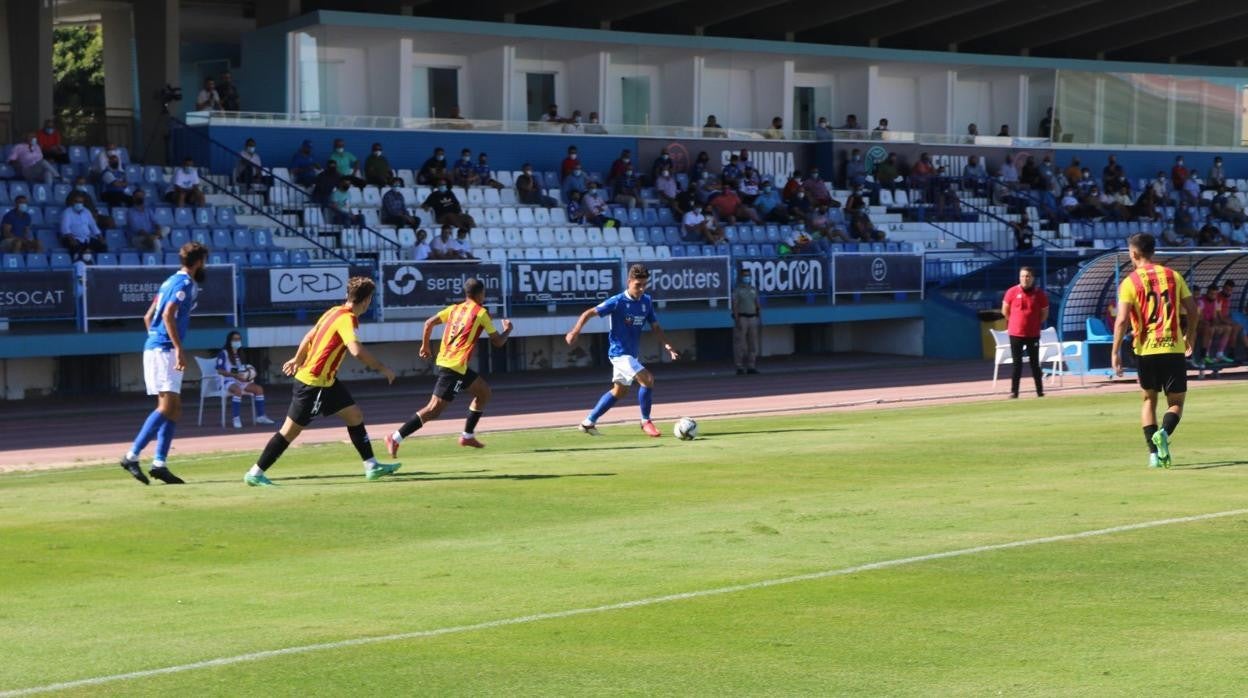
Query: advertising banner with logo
(434, 284)
(114, 293)
(563, 281)
(688, 278)
(789, 276)
(878, 273)
(45, 294)
(774, 160)
(293, 288)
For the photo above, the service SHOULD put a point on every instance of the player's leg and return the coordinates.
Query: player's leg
(354, 418)
(1033, 356)
(605, 402)
(645, 400)
(1016, 363)
(235, 390)
(305, 405)
(152, 378)
(171, 406)
(1225, 330)
(444, 391)
(480, 391)
(257, 394)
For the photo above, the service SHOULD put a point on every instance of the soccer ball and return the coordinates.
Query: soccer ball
(685, 429)
(249, 373)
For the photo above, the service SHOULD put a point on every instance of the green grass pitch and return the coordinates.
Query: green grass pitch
(100, 576)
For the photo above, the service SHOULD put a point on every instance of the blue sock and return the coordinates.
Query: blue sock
(154, 421)
(236, 403)
(606, 402)
(259, 407)
(645, 399)
(164, 439)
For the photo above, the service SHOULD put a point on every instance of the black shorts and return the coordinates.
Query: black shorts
(451, 382)
(308, 401)
(1165, 373)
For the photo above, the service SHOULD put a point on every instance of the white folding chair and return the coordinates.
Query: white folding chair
(1002, 355)
(212, 384)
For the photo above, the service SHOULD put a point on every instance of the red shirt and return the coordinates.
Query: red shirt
(48, 141)
(1025, 310)
(568, 165)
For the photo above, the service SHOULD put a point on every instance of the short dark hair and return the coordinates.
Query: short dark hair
(638, 271)
(473, 288)
(1229, 282)
(1029, 270)
(360, 289)
(191, 253)
(1144, 242)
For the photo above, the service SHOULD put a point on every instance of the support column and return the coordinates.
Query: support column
(30, 63)
(156, 42)
(6, 82)
(120, 99)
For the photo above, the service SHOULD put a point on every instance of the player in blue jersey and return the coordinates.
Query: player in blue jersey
(627, 314)
(164, 358)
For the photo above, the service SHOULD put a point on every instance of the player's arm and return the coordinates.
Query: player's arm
(1193, 318)
(426, 336)
(170, 318)
(301, 354)
(1120, 331)
(580, 324)
(1044, 312)
(366, 357)
(658, 332)
(150, 315)
(498, 339)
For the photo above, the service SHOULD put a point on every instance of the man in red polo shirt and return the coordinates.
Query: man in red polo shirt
(1026, 308)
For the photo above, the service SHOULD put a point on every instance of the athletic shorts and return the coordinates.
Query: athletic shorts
(308, 402)
(1165, 373)
(159, 372)
(451, 382)
(227, 382)
(625, 368)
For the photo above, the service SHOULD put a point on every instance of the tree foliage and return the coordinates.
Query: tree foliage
(78, 66)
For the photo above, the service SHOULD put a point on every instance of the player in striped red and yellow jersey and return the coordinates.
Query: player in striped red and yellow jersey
(465, 323)
(317, 388)
(1153, 299)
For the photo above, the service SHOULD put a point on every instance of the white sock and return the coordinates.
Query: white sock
(131, 455)
(398, 438)
(255, 470)
(371, 462)
(465, 434)
(158, 464)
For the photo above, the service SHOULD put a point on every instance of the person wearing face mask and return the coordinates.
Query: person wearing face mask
(421, 251)
(377, 170)
(747, 319)
(749, 186)
(16, 233)
(445, 246)
(575, 211)
(115, 190)
(348, 165)
(340, 205)
(303, 165)
(769, 205)
(49, 138)
(433, 169)
(464, 173)
(732, 171)
(595, 125)
(249, 170)
(325, 183)
(730, 208)
(701, 165)
(529, 189)
(666, 187)
(168, 319)
(394, 207)
(231, 367)
(144, 232)
(627, 189)
(446, 207)
(83, 192)
(596, 208)
(570, 162)
(101, 159)
(712, 129)
(855, 170)
(823, 132)
(623, 162)
(186, 188)
(79, 232)
(573, 125)
(664, 161)
(27, 158)
(575, 181)
(485, 175)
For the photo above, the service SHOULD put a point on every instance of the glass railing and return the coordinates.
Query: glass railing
(346, 121)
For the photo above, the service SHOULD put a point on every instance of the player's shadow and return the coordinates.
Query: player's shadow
(1212, 464)
(591, 448)
(422, 477)
(743, 432)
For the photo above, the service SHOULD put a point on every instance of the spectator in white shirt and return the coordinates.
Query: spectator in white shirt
(463, 244)
(249, 170)
(552, 115)
(208, 99)
(699, 225)
(101, 160)
(666, 187)
(444, 246)
(421, 250)
(79, 233)
(186, 185)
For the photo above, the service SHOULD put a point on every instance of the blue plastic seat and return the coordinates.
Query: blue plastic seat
(238, 259)
(40, 194)
(299, 258)
(892, 247)
(105, 259)
(115, 239)
(152, 174)
(4, 193)
(172, 259)
(62, 260)
(753, 251)
(151, 259)
(205, 216)
(36, 261)
(49, 238)
(163, 215)
(677, 250)
(738, 250)
(671, 236)
(258, 258)
(277, 258)
(745, 234)
(650, 216)
(128, 259)
(222, 239)
(52, 215)
(551, 179)
(77, 154)
(18, 188)
(120, 214)
(179, 237)
(36, 215)
(183, 217)
(635, 217)
(242, 239)
(217, 258)
(134, 173)
(666, 217)
(202, 236)
(225, 216)
(263, 238)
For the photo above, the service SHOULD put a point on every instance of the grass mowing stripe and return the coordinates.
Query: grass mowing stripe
(885, 564)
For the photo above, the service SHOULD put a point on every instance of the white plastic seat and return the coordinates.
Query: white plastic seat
(563, 236)
(525, 216)
(599, 252)
(212, 384)
(662, 252)
(355, 197)
(372, 196)
(491, 197)
(476, 196)
(407, 237)
(579, 238)
(615, 252)
(422, 193)
(611, 236)
(350, 238)
(408, 177)
(460, 193)
(626, 236)
(509, 216)
(583, 253)
(478, 237)
(541, 216)
(498, 255)
(646, 252)
(594, 235)
(504, 177)
(512, 237)
(496, 237)
(477, 213)
(546, 236)
(1051, 351)
(566, 253)
(529, 237)
(508, 197)
(900, 198)
(550, 253)
(493, 216)
(558, 216)
(532, 253)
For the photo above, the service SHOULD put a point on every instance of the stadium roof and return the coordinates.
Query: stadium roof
(1210, 32)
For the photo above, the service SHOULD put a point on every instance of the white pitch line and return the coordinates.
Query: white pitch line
(651, 601)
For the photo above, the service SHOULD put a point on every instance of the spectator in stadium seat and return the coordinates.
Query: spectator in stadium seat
(627, 188)
(821, 224)
(249, 170)
(1048, 175)
(1085, 183)
(143, 231)
(1185, 222)
(101, 159)
(1146, 204)
(1024, 235)
(701, 165)
(304, 167)
(887, 172)
(799, 206)
(623, 162)
(1004, 132)
(822, 131)
(186, 188)
(596, 208)
(686, 201)
(50, 143)
(79, 232)
(662, 162)
(485, 175)
(769, 205)
(862, 229)
(1226, 206)
(208, 99)
(574, 123)
(707, 189)
(1191, 190)
(1123, 202)
(228, 92)
(972, 132)
(729, 207)
(433, 169)
(797, 242)
(339, 208)
(529, 189)
(394, 207)
(571, 162)
(1073, 172)
(1210, 235)
(348, 165)
(880, 129)
(115, 190)
(463, 172)
(817, 190)
(744, 162)
(792, 186)
(749, 186)
(855, 169)
(552, 115)
(595, 126)
(421, 250)
(446, 208)
(463, 245)
(16, 233)
(1178, 174)
(455, 114)
(1160, 187)
(1114, 209)
(1112, 176)
(325, 183)
(1050, 126)
(377, 169)
(574, 210)
(1070, 204)
(974, 174)
(666, 187)
(1216, 180)
(1030, 176)
(28, 160)
(575, 181)
(699, 226)
(444, 246)
(923, 177)
(731, 172)
(712, 129)
(776, 132)
(851, 123)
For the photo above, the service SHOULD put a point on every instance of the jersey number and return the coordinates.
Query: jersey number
(1158, 304)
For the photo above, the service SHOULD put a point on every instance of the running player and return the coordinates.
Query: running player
(627, 313)
(1151, 299)
(317, 388)
(465, 322)
(167, 320)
